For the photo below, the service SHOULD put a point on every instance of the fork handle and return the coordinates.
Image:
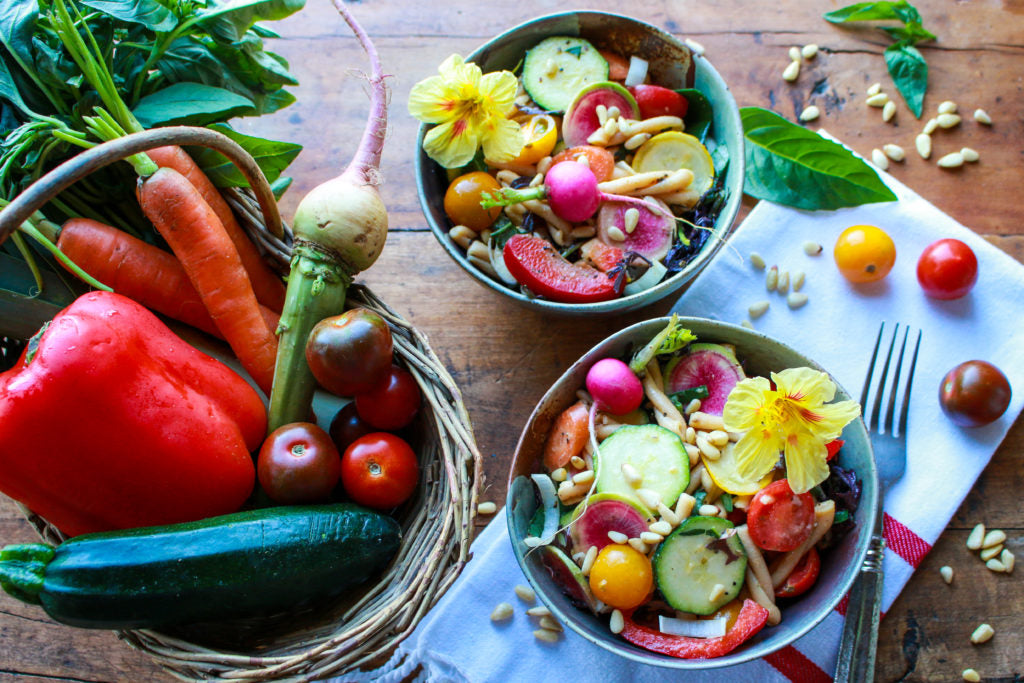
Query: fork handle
(860, 632)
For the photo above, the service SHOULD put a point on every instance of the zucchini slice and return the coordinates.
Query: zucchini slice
(557, 68)
(653, 451)
(701, 553)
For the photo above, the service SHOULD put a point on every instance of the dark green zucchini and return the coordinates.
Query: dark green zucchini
(239, 565)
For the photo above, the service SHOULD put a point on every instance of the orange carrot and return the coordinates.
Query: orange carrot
(198, 239)
(266, 284)
(140, 271)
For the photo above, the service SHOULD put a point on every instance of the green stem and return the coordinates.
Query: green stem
(39, 237)
(106, 128)
(316, 290)
(510, 195)
(30, 261)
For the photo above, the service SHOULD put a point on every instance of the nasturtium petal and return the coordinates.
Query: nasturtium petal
(806, 461)
(451, 144)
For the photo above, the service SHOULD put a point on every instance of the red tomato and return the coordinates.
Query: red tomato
(947, 269)
(833, 448)
(655, 100)
(974, 393)
(779, 519)
(298, 463)
(347, 426)
(379, 470)
(393, 404)
(534, 263)
(803, 576)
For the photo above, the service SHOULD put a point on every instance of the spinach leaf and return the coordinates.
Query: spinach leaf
(699, 115)
(874, 11)
(188, 103)
(791, 165)
(149, 13)
(9, 90)
(230, 19)
(271, 155)
(190, 60)
(909, 72)
(17, 21)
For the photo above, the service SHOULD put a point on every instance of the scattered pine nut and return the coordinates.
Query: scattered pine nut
(794, 53)
(791, 72)
(717, 591)
(697, 49)
(757, 260)
(990, 553)
(705, 447)
(971, 676)
(772, 278)
(614, 112)
(588, 560)
(532, 541)
(877, 100)
(758, 309)
(879, 159)
(630, 219)
(502, 611)
(809, 51)
(668, 515)
(1008, 559)
(931, 126)
(660, 527)
(970, 154)
(874, 89)
(684, 506)
(616, 623)
(995, 565)
(538, 611)
(894, 152)
(747, 324)
(638, 545)
(810, 113)
(948, 120)
(888, 111)
(982, 634)
(546, 635)
(947, 574)
(706, 481)
(630, 474)
(718, 437)
(947, 107)
(559, 475)
(976, 536)
(993, 538)
(707, 510)
(550, 623)
(525, 593)
(981, 116)
(616, 234)
(796, 300)
(648, 497)
(577, 462)
(783, 285)
(651, 538)
(584, 477)
(692, 407)
(798, 280)
(486, 508)
(812, 248)
(618, 537)
(690, 435)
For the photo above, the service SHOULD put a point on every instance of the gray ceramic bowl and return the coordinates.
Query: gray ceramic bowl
(759, 355)
(666, 55)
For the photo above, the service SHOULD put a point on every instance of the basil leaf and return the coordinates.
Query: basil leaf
(909, 72)
(149, 13)
(911, 33)
(873, 11)
(727, 502)
(699, 115)
(271, 155)
(188, 103)
(791, 165)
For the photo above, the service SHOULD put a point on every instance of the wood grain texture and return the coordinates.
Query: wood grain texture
(504, 357)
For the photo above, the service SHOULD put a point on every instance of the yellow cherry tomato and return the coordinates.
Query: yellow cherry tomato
(864, 253)
(462, 200)
(621, 576)
(540, 134)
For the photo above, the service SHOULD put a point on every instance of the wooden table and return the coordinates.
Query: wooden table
(504, 356)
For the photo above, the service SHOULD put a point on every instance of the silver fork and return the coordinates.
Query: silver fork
(889, 440)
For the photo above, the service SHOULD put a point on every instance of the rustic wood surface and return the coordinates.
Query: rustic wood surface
(504, 356)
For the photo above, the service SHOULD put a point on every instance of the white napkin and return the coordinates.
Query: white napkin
(837, 328)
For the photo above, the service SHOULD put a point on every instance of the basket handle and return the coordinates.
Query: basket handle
(81, 165)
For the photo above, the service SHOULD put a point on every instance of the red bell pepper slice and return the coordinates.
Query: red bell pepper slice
(833, 448)
(751, 619)
(535, 263)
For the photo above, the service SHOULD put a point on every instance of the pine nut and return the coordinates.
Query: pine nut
(791, 72)
(690, 435)
(525, 593)
(888, 111)
(976, 537)
(684, 506)
(981, 116)
(667, 515)
(747, 324)
(692, 451)
(796, 300)
(970, 154)
(550, 623)
(994, 537)
(584, 477)
(783, 284)
(648, 497)
(877, 100)
(971, 676)
(618, 537)
(533, 541)
(630, 474)
(616, 623)
(718, 438)
(551, 67)
(809, 51)
(794, 53)
(638, 545)
(614, 112)
(716, 592)
(874, 89)
(578, 462)
(995, 565)
(1008, 559)
(948, 120)
(539, 611)
(923, 142)
(991, 553)
(697, 49)
(757, 260)
(982, 634)
(894, 152)
(486, 508)
(798, 280)
(559, 475)
(812, 248)
(771, 279)
(706, 422)
(616, 234)
(810, 113)
(947, 574)
(879, 159)
(570, 493)
(947, 107)
(931, 126)
(758, 309)
(588, 560)
(708, 511)
(634, 141)
(651, 538)
(662, 528)
(546, 635)
(706, 482)
(502, 611)
(630, 219)
(706, 449)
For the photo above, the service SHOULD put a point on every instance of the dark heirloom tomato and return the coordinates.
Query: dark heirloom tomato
(298, 463)
(350, 353)
(379, 470)
(974, 393)
(947, 269)
(393, 403)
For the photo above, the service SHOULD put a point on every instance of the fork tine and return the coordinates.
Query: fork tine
(871, 369)
(877, 407)
(890, 409)
(906, 392)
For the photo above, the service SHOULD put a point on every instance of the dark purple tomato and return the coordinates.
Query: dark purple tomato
(974, 393)
(298, 463)
(347, 426)
(350, 353)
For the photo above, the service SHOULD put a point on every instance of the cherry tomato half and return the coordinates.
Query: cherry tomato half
(379, 470)
(947, 269)
(621, 576)
(974, 393)
(864, 253)
(462, 200)
(393, 403)
(347, 426)
(540, 133)
(779, 519)
(600, 160)
(655, 100)
(350, 353)
(298, 463)
(803, 576)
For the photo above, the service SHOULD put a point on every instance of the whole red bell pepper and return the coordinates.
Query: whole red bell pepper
(110, 421)
(751, 619)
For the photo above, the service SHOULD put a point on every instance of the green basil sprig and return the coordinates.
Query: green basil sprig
(791, 165)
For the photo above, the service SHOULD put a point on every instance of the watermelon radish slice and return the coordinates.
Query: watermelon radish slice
(581, 117)
(652, 236)
(711, 365)
(568, 576)
(592, 527)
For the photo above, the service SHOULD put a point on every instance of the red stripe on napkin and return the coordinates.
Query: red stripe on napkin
(903, 541)
(792, 664)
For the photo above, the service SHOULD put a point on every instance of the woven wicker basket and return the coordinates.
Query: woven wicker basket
(355, 630)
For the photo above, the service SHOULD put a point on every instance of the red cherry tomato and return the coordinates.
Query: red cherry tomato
(298, 463)
(533, 262)
(803, 576)
(779, 519)
(379, 470)
(347, 426)
(350, 353)
(974, 393)
(947, 269)
(392, 404)
(655, 100)
(833, 449)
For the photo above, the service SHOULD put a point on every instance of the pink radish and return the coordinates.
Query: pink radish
(614, 386)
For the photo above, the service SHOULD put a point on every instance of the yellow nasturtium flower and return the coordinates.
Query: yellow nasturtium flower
(795, 418)
(471, 110)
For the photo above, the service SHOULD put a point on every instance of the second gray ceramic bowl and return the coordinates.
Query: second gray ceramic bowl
(759, 355)
(667, 55)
